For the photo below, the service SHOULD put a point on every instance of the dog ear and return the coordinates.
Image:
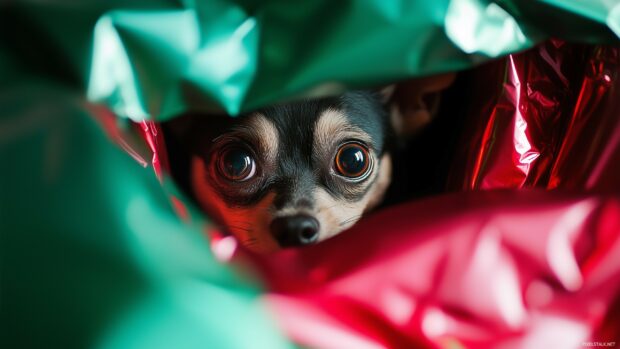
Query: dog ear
(413, 103)
(197, 129)
(387, 92)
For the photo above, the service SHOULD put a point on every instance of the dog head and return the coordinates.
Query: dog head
(290, 174)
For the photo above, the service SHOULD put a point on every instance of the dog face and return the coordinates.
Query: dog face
(291, 174)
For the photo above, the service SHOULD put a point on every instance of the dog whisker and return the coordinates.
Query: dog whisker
(350, 219)
(242, 223)
(239, 228)
(238, 224)
(330, 207)
(249, 242)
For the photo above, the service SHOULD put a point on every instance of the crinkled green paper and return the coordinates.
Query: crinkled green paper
(156, 59)
(92, 255)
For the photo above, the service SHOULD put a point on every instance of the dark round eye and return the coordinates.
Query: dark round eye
(352, 160)
(236, 164)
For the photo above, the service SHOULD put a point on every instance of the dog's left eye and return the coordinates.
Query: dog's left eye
(352, 160)
(236, 164)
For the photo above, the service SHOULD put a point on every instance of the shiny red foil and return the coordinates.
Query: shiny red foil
(546, 118)
(589, 157)
(150, 131)
(491, 269)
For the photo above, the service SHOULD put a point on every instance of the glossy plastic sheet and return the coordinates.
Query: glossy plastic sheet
(502, 269)
(546, 118)
(156, 59)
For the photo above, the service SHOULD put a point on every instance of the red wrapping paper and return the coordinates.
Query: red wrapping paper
(544, 118)
(589, 157)
(480, 270)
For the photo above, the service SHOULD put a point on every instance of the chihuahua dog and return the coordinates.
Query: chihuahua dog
(286, 175)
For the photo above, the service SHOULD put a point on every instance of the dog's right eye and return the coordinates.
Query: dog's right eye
(236, 164)
(352, 161)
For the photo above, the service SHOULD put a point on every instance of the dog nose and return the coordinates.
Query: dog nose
(295, 230)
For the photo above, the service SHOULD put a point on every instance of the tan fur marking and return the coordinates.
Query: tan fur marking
(265, 133)
(376, 193)
(338, 215)
(332, 127)
(333, 215)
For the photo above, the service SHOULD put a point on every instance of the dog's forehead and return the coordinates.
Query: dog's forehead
(297, 121)
(298, 117)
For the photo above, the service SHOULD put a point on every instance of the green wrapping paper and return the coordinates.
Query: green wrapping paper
(157, 59)
(92, 255)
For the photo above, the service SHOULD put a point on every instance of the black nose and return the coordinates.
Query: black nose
(295, 230)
